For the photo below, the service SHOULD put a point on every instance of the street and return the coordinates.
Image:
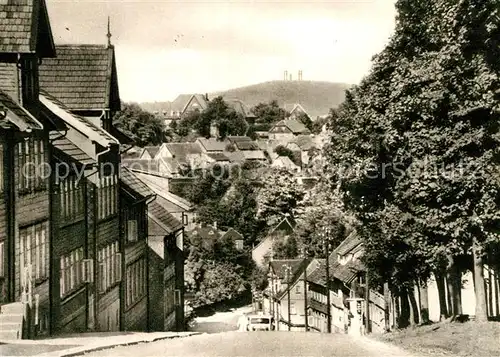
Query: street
(220, 321)
(280, 343)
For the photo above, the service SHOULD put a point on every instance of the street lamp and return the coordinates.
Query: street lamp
(326, 243)
(287, 270)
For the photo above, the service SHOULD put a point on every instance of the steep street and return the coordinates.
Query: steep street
(259, 344)
(221, 321)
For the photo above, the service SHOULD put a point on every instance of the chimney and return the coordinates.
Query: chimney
(206, 97)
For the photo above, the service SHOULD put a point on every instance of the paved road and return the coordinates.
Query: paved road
(258, 344)
(220, 321)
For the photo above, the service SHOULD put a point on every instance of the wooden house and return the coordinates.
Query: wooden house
(81, 87)
(25, 231)
(296, 111)
(166, 270)
(262, 251)
(134, 199)
(84, 78)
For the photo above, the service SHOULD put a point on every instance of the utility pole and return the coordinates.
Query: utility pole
(305, 295)
(328, 307)
(287, 275)
(367, 302)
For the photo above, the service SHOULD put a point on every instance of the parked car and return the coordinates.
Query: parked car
(260, 323)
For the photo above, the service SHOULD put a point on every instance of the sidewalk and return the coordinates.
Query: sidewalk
(80, 344)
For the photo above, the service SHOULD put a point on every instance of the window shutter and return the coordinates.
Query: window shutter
(62, 276)
(118, 267)
(132, 230)
(102, 277)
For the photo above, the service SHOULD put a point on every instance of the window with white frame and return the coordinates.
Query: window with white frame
(72, 203)
(33, 243)
(75, 271)
(107, 196)
(131, 225)
(136, 282)
(31, 159)
(293, 310)
(239, 244)
(110, 263)
(298, 289)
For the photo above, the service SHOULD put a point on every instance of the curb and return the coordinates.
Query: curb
(82, 350)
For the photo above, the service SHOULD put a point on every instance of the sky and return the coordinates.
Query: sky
(165, 47)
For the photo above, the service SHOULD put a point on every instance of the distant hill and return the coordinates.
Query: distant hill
(316, 97)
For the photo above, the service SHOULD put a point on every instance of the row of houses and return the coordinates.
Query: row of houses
(331, 295)
(76, 251)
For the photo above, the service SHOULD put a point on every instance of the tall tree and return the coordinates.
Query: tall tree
(144, 127)
(269, 113)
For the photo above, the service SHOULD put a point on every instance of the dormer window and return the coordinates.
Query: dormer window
(211, 233)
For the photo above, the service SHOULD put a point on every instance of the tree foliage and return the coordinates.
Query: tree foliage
(142, 126)
(415, 146)
(268, 113)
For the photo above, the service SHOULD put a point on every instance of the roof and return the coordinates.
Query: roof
(285, 162)
(145, 165)
(83, 77)
(180, 102)
(25, 28)
(151, 150)
(218, 156)
(318, 275)
(200, 98)
(286, 224)
(82, 124)
(163, 218)
(239, 107)
(160, 186)
(206, 232)
(278, 266)
(243, 142)
(232, 234)
(67, 148)
(17, 117)
(304, 142)
(291, 108)
(212, 144)
(348, 244)
(294, 126)
(133, 182)
(253, 155)
(180, 151)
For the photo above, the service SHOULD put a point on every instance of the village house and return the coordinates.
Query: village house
(284, 162)
(25, 232)
(295, 290)
(149, 152)
(296, 111)
(166, 270)
(83, 79)
(305, 145)
(180, 208)
(286, 130)
(261, 252)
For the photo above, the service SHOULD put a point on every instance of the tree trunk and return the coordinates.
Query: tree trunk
(404, 317)
(479, 286)
(454, 283)
(387, 307)
(397, 310)
(414, 314)
(423, 295)
(443, 306)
